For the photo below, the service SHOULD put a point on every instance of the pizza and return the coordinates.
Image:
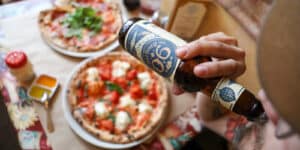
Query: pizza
(81, 28)
(117, 99)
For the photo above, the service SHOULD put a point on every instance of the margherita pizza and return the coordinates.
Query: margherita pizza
(85, 27)
(117, 98)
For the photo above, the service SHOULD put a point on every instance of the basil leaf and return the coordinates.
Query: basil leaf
(145, 91)
(131, 120)
(113, 87)
(112, 117)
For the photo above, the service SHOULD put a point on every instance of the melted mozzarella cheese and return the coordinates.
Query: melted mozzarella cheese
(126, 101)
(120, 68)
(101, 110)
(92, 74)
(122, 120)
(145, 80)
(144, 107)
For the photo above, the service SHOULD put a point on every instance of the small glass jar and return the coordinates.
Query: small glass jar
(20, 66)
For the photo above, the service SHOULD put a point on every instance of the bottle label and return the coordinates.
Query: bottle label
(227, 92)
(154, 46)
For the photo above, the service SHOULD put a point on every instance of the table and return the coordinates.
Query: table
(21, 32)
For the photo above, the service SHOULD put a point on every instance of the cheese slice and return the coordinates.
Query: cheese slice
(144, 107)
(122, 120)
(120, 68)
(145, 80)
(92, 74)
(126, 101)
(101, 110)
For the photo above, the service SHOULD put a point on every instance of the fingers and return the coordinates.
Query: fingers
(210, 48)
(221, 37)
(228, 67)
(177, 90)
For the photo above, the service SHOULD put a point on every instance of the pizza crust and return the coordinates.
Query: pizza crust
(160, 111)
(45, 17)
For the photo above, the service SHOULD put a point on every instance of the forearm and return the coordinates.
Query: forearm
(235, 128)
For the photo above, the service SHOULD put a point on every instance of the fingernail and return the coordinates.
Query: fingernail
(181, 52)
(200, 70)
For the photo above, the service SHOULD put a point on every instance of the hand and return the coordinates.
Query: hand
(228, 59)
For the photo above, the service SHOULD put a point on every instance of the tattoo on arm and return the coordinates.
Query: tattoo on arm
(243, 133)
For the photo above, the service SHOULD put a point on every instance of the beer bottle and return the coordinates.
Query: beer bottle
(156, 47)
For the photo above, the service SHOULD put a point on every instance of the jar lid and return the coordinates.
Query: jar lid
(15, 59)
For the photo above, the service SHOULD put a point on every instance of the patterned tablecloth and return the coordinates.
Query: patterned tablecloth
(30, 132)
(21, 111)
(31, 135)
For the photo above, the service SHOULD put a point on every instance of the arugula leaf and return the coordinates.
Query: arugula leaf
(74, 32)
(113, 87)
(101, 100)
(83, 17)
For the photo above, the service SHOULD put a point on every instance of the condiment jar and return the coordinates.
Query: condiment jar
(20, 66)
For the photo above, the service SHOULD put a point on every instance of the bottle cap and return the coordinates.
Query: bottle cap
(15, 59)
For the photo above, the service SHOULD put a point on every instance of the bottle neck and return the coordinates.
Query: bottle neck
(211, 86)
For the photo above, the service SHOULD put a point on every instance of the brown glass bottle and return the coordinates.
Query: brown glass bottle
(156, 48)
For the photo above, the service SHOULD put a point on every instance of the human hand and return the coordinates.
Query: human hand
(228, 59)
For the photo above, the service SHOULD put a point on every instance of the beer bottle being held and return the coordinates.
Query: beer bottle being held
(156, 48)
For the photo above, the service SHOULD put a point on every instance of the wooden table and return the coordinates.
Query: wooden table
(21, 32)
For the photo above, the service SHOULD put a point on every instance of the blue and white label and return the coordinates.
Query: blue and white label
(227, 92)
(154, 46)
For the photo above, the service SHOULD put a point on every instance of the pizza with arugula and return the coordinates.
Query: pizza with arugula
(81, 28)
(117, 98)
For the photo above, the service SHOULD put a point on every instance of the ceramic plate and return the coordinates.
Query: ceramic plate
(110, 47)
(81, 132)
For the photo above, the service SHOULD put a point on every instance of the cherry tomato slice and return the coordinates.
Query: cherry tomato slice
(121, 82)
(142, 119)
(132, 74)
(105, 71)
(115, 97)
(152, 94)
(89, 114)
(106, 125)
(136, 92)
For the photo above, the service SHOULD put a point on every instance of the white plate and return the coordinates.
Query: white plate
(81, 132)
(104, 50)
(110, 47)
